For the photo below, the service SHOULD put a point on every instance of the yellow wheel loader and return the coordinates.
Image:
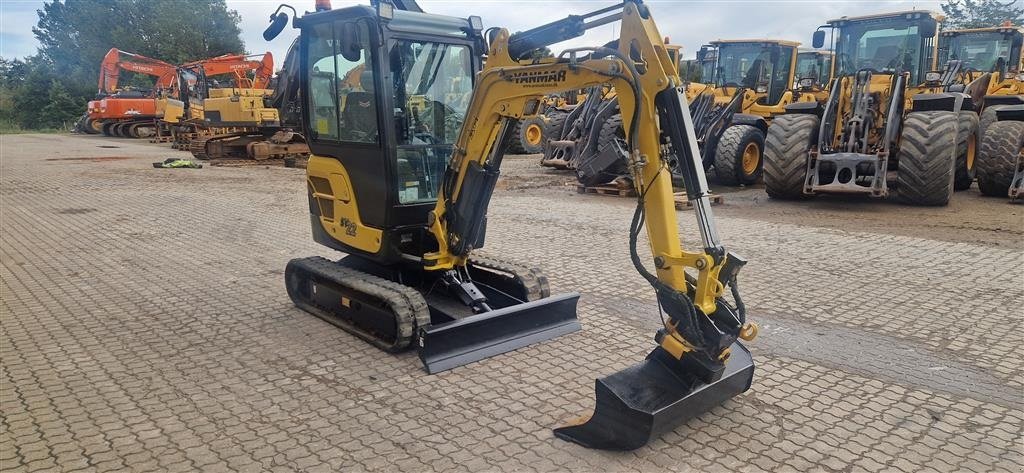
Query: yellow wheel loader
(751, 82)
(889, 117)
(405, 195)
(991, 60)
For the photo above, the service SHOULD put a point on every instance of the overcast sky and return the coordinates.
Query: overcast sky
(689, 23)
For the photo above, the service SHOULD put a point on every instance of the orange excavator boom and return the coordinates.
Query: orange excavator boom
(116, 61)
(240, 66)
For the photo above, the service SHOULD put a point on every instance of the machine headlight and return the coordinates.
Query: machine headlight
(762, 89)
(807, 82)
(932, 76)
(476, 23)
(1020, 77)
(385, 10)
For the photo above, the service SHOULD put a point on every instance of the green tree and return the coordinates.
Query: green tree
(61, 110)
(982, 13)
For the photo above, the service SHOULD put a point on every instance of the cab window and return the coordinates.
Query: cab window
(432, 85)
(342, 102)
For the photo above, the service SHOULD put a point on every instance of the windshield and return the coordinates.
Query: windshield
(762, 67)
(980, 51)
(817, 66)
(432, 85)
(736, 65)
(888, 45)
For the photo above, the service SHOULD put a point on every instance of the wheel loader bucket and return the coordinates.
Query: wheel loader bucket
(647, 399)
(456, 343)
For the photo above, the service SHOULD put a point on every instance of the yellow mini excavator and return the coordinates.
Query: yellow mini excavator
(401, 175)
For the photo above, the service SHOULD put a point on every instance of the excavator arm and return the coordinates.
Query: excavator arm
(240, 66)
(701, 328)
(116, 60)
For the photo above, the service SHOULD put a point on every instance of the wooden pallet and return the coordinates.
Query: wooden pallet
(607, 189)
(683, 203)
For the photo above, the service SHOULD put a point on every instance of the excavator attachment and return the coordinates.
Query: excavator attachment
(448, 345)
(645, 400)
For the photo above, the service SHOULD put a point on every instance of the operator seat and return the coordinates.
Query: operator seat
(360, 114)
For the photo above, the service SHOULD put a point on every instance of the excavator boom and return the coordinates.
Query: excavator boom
(116, 60)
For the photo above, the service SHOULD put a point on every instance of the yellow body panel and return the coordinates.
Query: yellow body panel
(339, 211)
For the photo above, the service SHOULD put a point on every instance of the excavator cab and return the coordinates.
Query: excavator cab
(386, 97)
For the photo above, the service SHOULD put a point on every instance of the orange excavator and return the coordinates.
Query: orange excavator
(126, 111)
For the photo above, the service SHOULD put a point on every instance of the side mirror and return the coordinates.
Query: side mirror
(277, 24)
(819, 39)
(351, 48)
(928, 28)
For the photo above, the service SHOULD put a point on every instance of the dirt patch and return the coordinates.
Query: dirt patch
(969, 217)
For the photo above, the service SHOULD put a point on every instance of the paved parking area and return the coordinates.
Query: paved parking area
(144, 326)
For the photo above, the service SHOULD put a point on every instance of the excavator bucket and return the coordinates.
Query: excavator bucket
(647, 399)
(448, 345)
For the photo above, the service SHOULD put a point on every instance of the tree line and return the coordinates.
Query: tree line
(50, 88)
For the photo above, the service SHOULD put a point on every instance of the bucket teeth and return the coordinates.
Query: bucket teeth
(645, 400)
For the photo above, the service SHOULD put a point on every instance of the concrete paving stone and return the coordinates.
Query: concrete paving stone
(861, 367)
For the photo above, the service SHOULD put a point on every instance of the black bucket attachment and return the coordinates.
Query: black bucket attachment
(448, 345)
(647, 399)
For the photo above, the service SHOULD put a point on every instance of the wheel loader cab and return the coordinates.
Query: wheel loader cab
(386, 100)
(887, 44)
(764, 67)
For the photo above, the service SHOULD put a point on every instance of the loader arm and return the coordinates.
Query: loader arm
(649, 100)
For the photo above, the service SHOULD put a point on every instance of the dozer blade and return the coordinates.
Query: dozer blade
(456, 343)
(647, 399)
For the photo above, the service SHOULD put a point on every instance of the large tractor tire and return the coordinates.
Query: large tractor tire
(738, 158)
(528, 136)
(531, 135)
(988, 117)
(790, 138)
(554, 123)
(596, 169)
(997, 157)
(966, 150)
(927, 158)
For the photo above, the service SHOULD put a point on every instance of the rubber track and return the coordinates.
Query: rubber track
(727, 167)
(198, 148)
(532, 279)
(968, 123)
(926, 161)
(785, 155)
(408, 305)
(997, 157)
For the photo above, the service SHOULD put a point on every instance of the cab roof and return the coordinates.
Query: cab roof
(403, 21)
(989, 29)
(881, 16)
(781, 42)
